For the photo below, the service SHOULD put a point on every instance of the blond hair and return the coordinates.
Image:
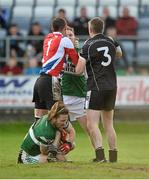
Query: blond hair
(57, 109)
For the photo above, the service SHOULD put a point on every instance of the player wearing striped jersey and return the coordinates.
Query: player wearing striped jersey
(43, 137)
(55, 48)
(74, 88)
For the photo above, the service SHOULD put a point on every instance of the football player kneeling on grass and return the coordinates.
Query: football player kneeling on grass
(49, 139)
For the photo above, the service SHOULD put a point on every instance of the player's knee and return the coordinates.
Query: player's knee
(91, 127)
(107, 127)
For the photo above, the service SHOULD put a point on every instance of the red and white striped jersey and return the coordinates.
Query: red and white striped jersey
(55, 48)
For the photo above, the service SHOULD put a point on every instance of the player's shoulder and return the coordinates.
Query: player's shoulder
(87, 43)
(113, 41)
(49, 35)
(65, 38)
(67, 43)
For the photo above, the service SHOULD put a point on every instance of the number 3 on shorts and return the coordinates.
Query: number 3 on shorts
(106, 50)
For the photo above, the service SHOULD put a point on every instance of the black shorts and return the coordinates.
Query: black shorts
(46, 92)
(101, 100)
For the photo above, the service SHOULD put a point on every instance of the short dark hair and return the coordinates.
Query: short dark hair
(62, 10)
(13, 25)
(97, 25)
(58, 24)
(35, 23)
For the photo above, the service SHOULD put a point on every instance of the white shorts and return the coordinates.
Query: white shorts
(75, 105)
(28, 159)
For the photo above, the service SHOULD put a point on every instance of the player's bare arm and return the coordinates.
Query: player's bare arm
(80, 67)
(119, 52)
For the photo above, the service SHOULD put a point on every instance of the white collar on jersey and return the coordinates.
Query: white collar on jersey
(57, 33)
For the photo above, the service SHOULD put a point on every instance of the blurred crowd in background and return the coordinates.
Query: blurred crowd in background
(25, 55)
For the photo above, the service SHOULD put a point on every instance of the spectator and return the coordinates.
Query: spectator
(62, 14)
(33, 68)
(3, 23)
(109, 21)
(126, 25)
(35, 46)
(11, 68)
(80, 24)
(15, 49)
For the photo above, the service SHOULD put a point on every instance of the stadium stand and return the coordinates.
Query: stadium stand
(6, 3)
(66, 3)
(22, 16)
(70, 11)
(24, 3)
(87, 2)
(128, 46)
(45, 3)
(143, 23)
(143, 52)
(43, 15)
(112, 9)
(129, 3)
(132, 9)
(107, 2)
(144, 2)
(90, 10)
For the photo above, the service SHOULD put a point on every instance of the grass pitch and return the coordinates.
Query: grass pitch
(133, 145)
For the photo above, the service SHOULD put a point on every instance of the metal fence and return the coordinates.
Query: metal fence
(132, 45)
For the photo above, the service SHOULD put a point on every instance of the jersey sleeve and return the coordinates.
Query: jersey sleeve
(117, 45)
(70, 50)
(114, 41)
(84, 51)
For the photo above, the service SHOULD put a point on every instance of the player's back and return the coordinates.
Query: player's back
(51, 45)
(101, 52)
(55, 47)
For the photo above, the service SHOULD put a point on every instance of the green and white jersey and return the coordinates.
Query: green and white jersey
(74, 85)
(40, 133)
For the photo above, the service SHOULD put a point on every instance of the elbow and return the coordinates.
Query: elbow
(118, 55)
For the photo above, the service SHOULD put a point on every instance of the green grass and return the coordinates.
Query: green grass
(133, 145)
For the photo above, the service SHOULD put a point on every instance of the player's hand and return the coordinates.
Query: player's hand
(65, 148)
(52, 149)
(64, 135)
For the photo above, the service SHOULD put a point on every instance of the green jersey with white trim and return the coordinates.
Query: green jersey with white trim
(40, 133)
(74, 85)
